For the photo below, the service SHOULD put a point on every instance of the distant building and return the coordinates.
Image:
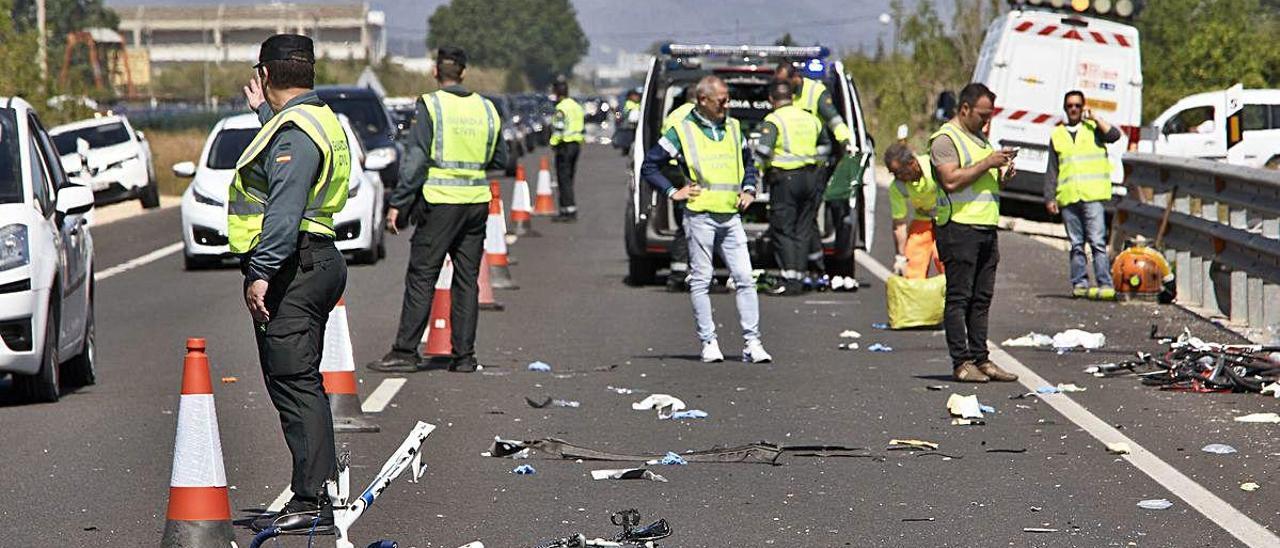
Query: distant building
(233, 33)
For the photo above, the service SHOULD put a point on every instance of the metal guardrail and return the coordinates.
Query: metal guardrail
(1221, 233)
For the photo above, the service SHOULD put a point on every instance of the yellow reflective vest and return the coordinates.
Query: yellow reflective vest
(465, 131)
(572, 120)
(247, 198)
(978, 203)
(1084, 174)
(914, 200)
(797, 142)
(714, 165)
(807, 98)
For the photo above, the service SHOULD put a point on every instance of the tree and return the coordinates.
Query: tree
(63, 16)
(785, 40)
(18, 58)
(539, 38)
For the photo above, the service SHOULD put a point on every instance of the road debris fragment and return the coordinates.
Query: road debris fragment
(666, 404)
(1155, 504)
(627, 474)
(1260, 417)
(1038, 530)
(911, 444)
(540, 367)
(1119, 448)
(878, 347)
(1249, 486)
(1031, 339)
(230, 380)
(850, 334)
(1078, 338)
(1218, 449)
(848, 346)
(690, 414)
(524, 470)
(966, 407)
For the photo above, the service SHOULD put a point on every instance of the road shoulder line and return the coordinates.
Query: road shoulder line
(381, 396)
(139, 261)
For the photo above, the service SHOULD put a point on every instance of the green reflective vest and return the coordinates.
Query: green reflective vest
(978, 203)
(1084, 174)
(914, 200)
(465, 131)
(797, 142)
(715, 165)
(247, 198)
(573, 121)
(807, 98)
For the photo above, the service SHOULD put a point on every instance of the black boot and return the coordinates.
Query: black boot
(299, 517)
(397, 361)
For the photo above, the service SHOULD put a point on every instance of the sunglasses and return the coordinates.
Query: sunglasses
(1074, 105)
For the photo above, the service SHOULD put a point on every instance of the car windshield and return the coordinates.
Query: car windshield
(10, 163)
(365, 113)
(98, 137)
(228, 146)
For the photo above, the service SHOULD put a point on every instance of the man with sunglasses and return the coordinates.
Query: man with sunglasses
(1077, 182)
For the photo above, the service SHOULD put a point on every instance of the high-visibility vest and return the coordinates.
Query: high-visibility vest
(978, 203)
(464, 134)
(627, 108)
(574, 119)
(676, 116)
(715, 165)
(247, 198)
(797, 142)
(914, 200)
(1084, 174)
(807, 98)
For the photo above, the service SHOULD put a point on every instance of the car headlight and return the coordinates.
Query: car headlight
(206, 200)
(14, 248)
(387, 154)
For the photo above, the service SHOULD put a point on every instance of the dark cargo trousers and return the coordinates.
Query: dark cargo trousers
(457, 230)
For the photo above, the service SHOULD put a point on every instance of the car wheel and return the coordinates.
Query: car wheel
(382, 241)
(43, 386)
(195, 263)
(150, 195)
(641, 271)
(81, 370)
(370, 255)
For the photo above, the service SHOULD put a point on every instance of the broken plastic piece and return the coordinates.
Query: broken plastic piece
(967, 422)
(1260, 417)
(627, 474)
(1155, 504)
(987, 408)
(1119, 448)
(618, 390)
(1048, 390)
(964, 406)
(524, 470)
(1218, 449)
(1073, 338)
(1038, 530)
(540, 367)
(850, 334)
(507, 449)
(690, 414)
(938, 387)
(1070, 387)
(848, 346)
(1032, 339)
(230, 380)
(912, 444)
(880, 325)
(877, 347)
(672, 459)
(1249, 486)
(666, 404)
(1273, 389)
(762, 452)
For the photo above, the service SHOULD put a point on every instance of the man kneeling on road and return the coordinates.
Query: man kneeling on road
(722, 182)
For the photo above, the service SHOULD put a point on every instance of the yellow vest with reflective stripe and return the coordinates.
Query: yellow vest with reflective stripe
(978, 203)
(797, 142)
(574, 123)
(465, 131)
(913, 200)
(1084, 174)
(247, 198)
(676, 116)
(715, 165)
(807, 98)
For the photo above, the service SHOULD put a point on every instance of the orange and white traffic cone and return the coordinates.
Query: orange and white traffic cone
(437, 340)
(545, 204)
(495, 246)
(338, 366)
(487, 300)
(199, 513)
(522, 207)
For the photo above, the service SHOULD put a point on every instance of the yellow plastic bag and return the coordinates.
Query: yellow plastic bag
(916, 302)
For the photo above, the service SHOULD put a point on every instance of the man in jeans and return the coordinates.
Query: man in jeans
(1077, 182)
(722, 182)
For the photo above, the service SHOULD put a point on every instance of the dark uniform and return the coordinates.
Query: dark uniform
(793, 145)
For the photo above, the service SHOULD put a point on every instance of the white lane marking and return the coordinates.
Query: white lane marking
(381, 396)
(1204, 501)
(139, 261)
(280, 501)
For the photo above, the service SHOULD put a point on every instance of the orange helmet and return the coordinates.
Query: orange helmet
(1139, 270)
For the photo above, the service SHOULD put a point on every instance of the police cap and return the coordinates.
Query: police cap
(287, 47)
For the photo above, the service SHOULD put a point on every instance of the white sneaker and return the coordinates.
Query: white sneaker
(754, 352)
(711, 352)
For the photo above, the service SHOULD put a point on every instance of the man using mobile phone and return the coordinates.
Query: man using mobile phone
(970, 172)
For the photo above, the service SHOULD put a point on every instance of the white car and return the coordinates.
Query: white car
(106, 153)
(204, 204)
(1196, 126)
(46, 262)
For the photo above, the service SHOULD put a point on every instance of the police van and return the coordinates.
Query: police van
(1040, 50)
(651, 220)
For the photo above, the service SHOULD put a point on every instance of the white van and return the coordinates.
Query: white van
(1031, 59)
(1196, 126)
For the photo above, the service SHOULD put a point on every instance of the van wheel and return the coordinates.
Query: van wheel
(43, 387)
(641, 271)
(150, 195)
(81, 370)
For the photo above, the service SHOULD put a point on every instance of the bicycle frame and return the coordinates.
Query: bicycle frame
(346, 513)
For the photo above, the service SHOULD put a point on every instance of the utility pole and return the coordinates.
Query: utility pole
(41, 53)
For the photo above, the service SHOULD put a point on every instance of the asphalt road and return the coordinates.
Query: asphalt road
(93, 469)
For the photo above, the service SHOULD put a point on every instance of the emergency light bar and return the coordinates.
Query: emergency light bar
(1123, 9)
(789, 52)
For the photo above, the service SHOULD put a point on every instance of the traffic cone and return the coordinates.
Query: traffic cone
(522, 207)
(338, 366)
(487, 300)
(545, 204)
(199, 513)
(495, 246)
(437, 340)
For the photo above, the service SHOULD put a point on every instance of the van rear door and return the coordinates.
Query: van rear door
(863, 205)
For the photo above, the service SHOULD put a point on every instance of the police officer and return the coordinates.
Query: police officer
(567, 136)
(677, 281)
(913, 198)
(967, 168)
(288, 184)
(455, 138)
(628, 119)
(791, 144)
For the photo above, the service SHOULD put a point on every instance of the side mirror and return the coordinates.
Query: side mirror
(141, 136)
(184, 169)
(74, 200)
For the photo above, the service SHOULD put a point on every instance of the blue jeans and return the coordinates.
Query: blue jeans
(1086, 223)
(706, 234)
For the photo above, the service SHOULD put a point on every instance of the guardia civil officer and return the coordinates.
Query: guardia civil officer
(288, 184)
(568, 132)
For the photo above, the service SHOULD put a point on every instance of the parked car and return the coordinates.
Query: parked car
(373, 125)
(204, 211)
(106, 153)
(46, 262)
(1196, 126)
(402, 110)
(510, 136)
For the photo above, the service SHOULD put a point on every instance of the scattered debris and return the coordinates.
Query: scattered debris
(877, 347)
(848, 346)
(1070, 387)
(966, 407)
(1031, 339)
(619, 390)
(690, 414)
(666, 404)
(548, 402)
(1048, 390)
(762, 452)
(850, 334)
(524, 470)
(1218, 449)
(967, 422)
(1155, 504)
(1097, 370)
(1060, 388)
(880, 325)
(1038, 530)
(938, 387)
(897, 445)
(507, 449)
(1073, 338)
(1260, 417)
(987, 408)
(1119, 448)
(540, 367)
(230, 380)
(1007, 450)
(917, 519)
(672, 459)
(1273, 389)
(1249, 487)
(627, 474)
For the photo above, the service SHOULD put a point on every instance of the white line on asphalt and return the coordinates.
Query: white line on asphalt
(381, 396)
(1204, 501)
(280, 501)
(140, 261)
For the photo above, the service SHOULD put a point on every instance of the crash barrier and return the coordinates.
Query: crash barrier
(1218, 224)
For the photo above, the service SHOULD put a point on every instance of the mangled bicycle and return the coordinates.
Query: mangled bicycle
(632, 536)
(1194, 365)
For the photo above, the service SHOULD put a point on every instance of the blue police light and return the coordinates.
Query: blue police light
(815, 65)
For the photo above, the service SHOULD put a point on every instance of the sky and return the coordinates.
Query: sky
(630, 25)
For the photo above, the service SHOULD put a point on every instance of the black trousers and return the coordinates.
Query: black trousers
(299, 299)
(566, 167)
(794, 196)
(453, 229)
(970, 256)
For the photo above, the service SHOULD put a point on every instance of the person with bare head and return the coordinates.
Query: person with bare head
(722, 182)
(913, 197)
